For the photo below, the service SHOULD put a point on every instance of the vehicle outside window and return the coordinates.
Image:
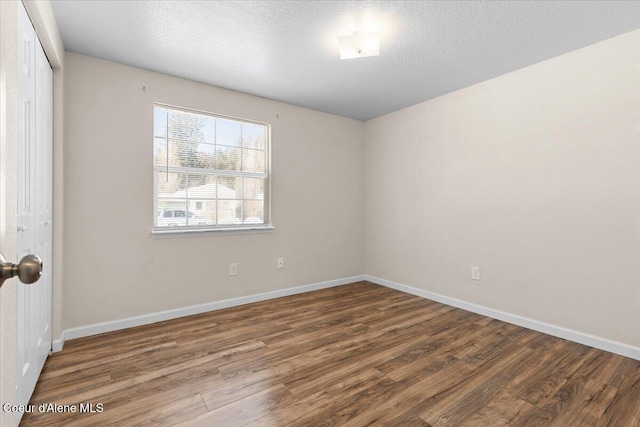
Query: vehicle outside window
(179, 218)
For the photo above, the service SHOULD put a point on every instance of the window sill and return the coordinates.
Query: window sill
(210, 231)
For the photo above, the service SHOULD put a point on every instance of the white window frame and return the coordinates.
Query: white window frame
(197, 229)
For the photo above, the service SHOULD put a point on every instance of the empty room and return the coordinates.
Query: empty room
(305, 213)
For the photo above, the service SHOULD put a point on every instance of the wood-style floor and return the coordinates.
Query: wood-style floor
(354, 355)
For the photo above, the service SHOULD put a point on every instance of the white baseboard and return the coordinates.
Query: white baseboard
(145, 319)
(557, 331)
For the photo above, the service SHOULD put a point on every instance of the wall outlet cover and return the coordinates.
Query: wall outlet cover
(475, 273)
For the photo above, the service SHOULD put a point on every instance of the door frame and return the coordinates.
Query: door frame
(43, 20)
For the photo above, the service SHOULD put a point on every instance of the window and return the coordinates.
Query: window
(210, 172)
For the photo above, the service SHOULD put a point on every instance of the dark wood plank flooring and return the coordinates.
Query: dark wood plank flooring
(354, 355)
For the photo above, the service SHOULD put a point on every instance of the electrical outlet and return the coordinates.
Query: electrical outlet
(280, 262)
(233, 269)
(475, 273)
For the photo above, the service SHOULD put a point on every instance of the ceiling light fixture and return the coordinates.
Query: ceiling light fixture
(359, 45)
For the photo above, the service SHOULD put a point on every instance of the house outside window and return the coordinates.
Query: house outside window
(211, 172)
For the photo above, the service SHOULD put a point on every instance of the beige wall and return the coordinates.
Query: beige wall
(534, 176)
(113, 268)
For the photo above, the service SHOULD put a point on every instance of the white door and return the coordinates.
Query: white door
(33, 327)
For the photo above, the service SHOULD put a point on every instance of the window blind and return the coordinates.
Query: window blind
(210, 171)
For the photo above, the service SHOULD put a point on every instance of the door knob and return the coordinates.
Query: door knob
(28, 270)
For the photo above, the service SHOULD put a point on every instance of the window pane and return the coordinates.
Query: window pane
(160, 152)
(253, 188)
(208, 129)
(253, 212)
(171, 213)
(202, 186)
(190, 154)
(254, 136)
(171, 185)
(228, 158)
(228, 132)
(205, 156)
(186, 126)
(201, 212)
(229, 212)
(229, 187)
(253, 161)
(160, 122)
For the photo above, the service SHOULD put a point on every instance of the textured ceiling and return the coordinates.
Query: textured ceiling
(287, 50)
